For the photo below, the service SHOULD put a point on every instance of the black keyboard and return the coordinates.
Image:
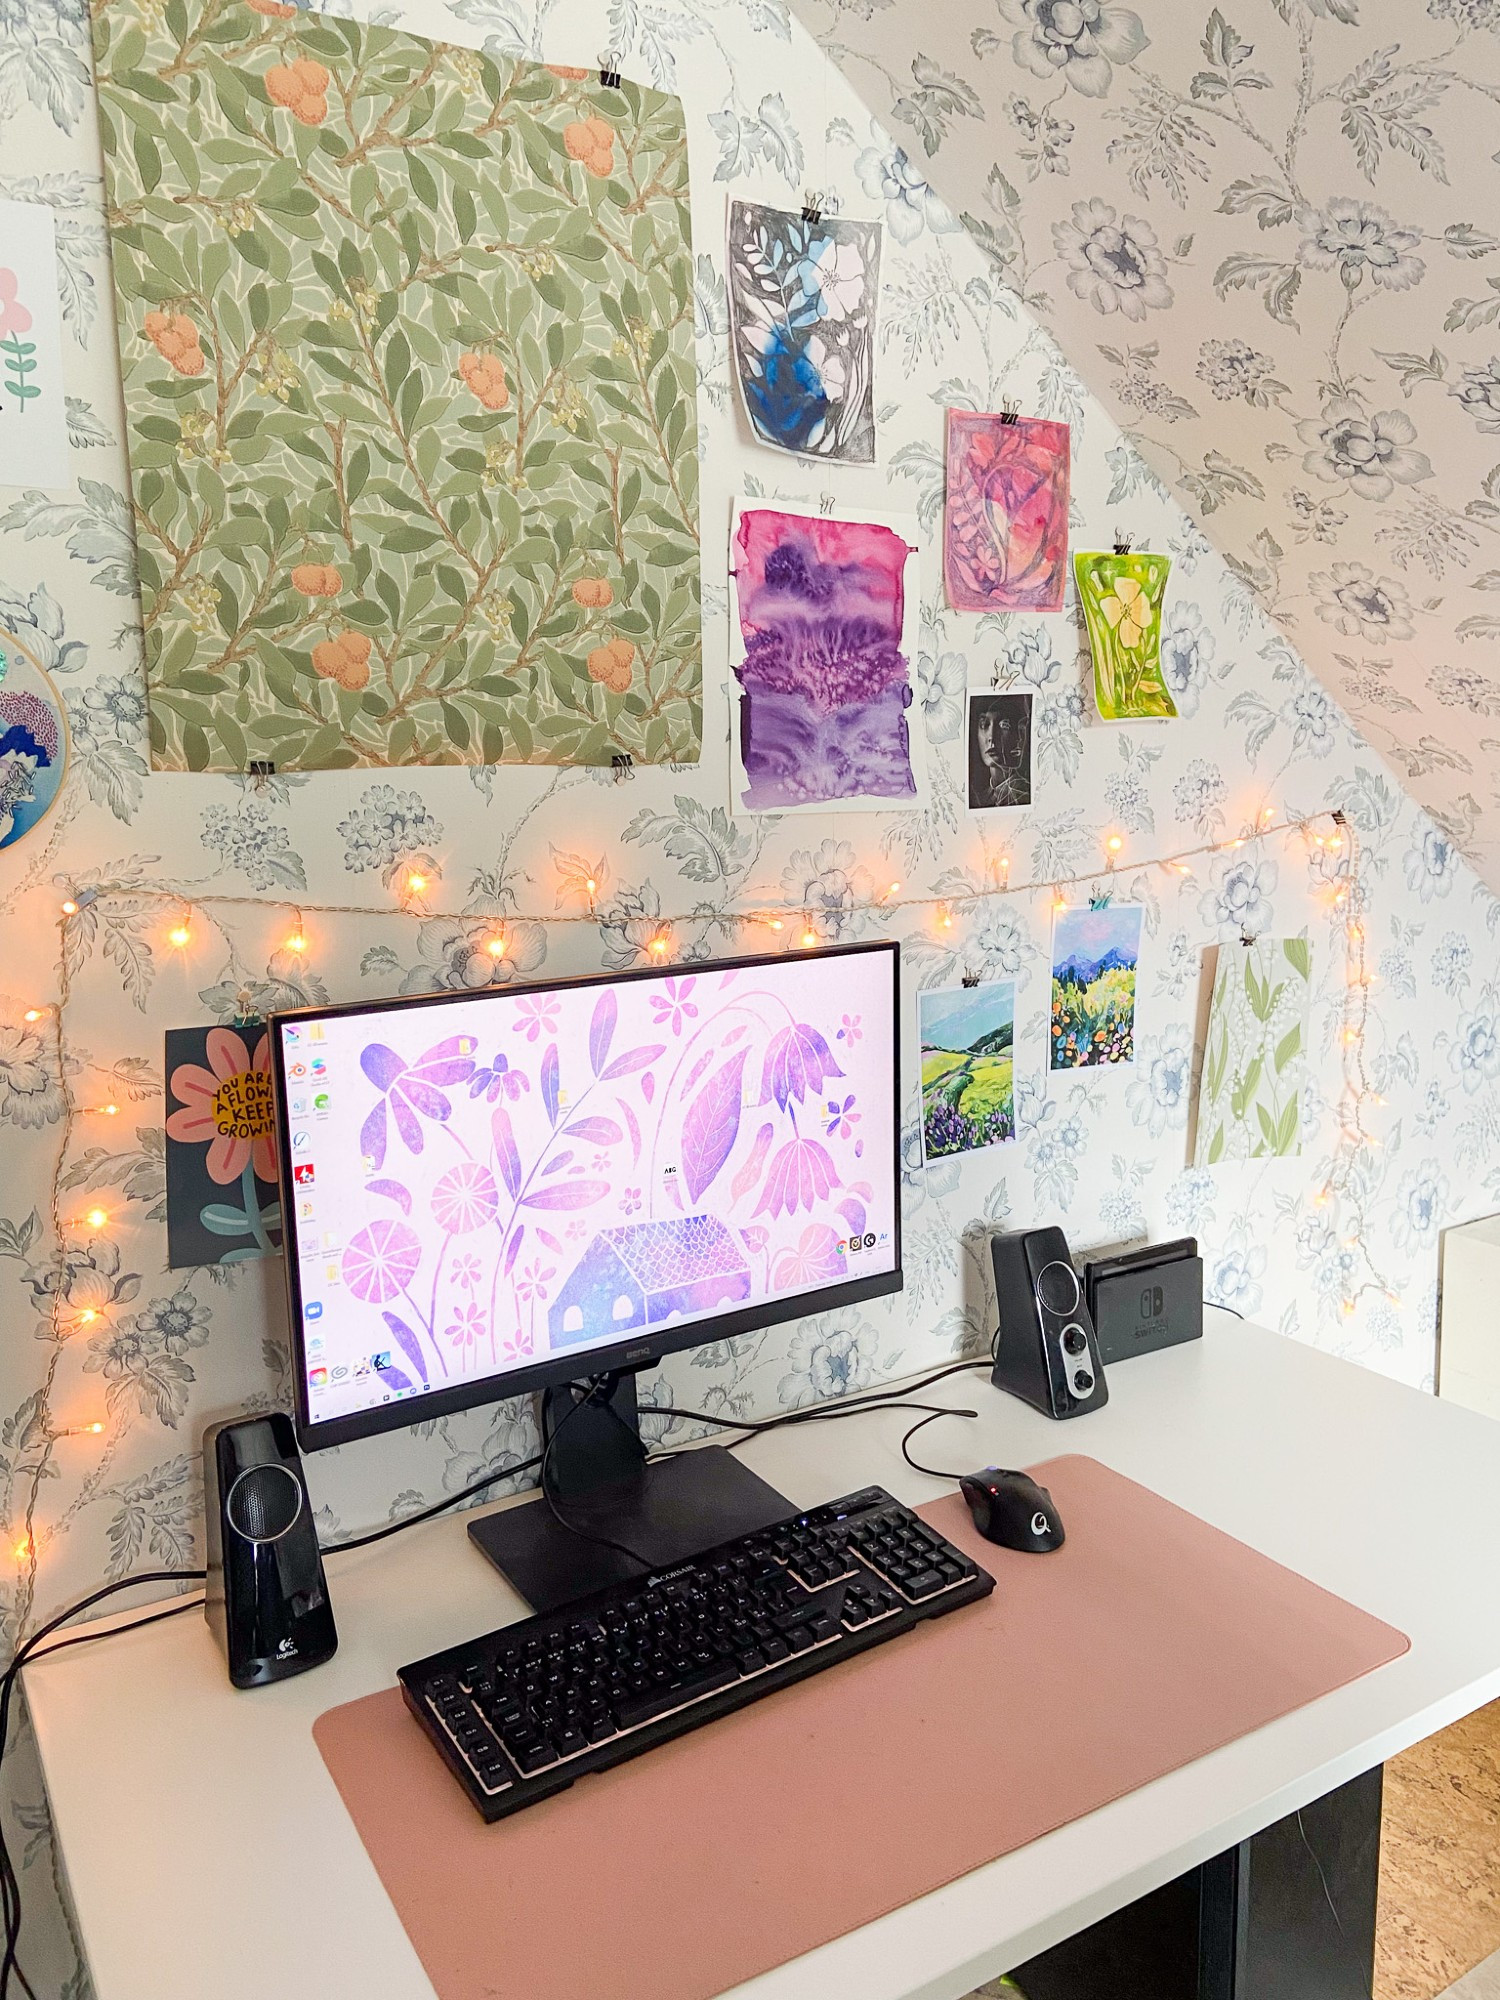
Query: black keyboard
(522, 1712)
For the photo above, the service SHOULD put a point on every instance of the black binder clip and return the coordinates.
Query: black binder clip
(811, 210)
(970, 979)
(1010, 413)
(609, 74)
(623, 766)
(1100, 902)
(1247, 938)
(260, 771)
(1122, 545)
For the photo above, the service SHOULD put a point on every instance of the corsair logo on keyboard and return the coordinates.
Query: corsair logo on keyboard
(669, 1575)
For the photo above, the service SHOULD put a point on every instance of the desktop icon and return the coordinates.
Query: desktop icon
(315, 1031)
(379, 1361)
(292, 1034)
(303, 1173)
(314, 1310)
(299, 1107)
(319, 1066)
(320, 1102)
(297, 1069)
(301, 1141)
(318, 1378)
(306, 1211)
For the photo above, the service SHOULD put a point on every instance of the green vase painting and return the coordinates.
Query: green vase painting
(1122, 597)
(406, 334)
(1255, 1059)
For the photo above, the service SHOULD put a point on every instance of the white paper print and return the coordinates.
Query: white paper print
(33, 412)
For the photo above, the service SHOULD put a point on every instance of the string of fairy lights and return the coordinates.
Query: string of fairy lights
(1328, 836)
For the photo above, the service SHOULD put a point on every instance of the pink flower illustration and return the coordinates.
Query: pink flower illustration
(674, 1005)
(851, 1031)
(381, 1260)
(14, 317)
(466, 1271)
(532, 1283)
(538, 1015)
(801, 1176)
(466, 1327)
(227, 1106)
(465, 1198)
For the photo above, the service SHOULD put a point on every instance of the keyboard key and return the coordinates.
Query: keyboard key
(775, 1649)
(642, 1708)
(923, 1584)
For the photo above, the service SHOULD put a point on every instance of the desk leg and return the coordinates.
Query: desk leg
(1287, 1915)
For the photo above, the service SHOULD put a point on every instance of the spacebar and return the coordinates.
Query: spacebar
(640, 1708)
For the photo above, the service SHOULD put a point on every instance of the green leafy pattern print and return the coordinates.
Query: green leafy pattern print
(406, 337)
(1255, 1061)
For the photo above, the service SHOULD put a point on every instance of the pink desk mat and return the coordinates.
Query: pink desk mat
(711, 1859)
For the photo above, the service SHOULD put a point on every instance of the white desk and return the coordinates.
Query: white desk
(160, 1773)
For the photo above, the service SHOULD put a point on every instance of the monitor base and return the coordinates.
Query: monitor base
(669, 1512)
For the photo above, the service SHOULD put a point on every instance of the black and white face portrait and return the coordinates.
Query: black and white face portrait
(999, 751)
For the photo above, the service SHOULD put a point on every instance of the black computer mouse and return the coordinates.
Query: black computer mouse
(1011, 1509)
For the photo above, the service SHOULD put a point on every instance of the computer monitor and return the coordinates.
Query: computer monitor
(520, 1188)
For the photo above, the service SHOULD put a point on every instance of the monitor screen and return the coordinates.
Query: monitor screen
(494, 1191)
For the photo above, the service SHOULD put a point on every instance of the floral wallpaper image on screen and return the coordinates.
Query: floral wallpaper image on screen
(583, 1164)
(1094, 959)
(406, 338)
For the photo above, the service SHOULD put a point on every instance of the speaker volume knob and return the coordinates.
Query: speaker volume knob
(1074, 1339)
(264, 1503)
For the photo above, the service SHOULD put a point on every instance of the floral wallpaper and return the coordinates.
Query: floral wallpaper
(1264, 233)
(1104, 1152)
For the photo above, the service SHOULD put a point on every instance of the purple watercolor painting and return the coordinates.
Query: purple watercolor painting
(1005, 516)
(558, 1170)
(826, 609)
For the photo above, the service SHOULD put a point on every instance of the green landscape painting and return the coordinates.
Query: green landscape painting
(968, 1084)
(1094, 955)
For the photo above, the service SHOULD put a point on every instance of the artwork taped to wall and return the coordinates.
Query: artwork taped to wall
(1095, 953)
(223, 1203)
(1255, 1057)
(33, 741)
(33, 408)
(967, 1040)
(1005, 513)
(823, 649)
(999, 742)
(1121, 596)
(406, 337)
(802, 304)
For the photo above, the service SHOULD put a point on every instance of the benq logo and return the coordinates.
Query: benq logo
(1151, 1302)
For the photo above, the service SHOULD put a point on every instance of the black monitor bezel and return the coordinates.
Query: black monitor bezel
(625, 1354)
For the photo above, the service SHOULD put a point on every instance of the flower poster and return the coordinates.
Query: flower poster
(967, 1038)
(1094, 958)
(1121, 598)
(1255, 1058)
(823, 650)
(33, 741)
(802, 304)
(33, 412)
(406, 338)
(223, 1202)
(1005, 515)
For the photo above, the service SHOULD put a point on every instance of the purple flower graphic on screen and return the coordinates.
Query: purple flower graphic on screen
(673, 1006)
(499, 1080)
(532, 1283)
(466, 1271)
(797, 1064)
(850, 1031)
(538, 1014)
(382, 1260)
(466, 1328)
(465, 1198)
(410, 1093)
(802, 1175)
(841, 1118)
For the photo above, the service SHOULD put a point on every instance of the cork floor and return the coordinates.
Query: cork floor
(1438, 1932)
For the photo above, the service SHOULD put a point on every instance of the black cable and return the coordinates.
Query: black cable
(597, 1384)
(867, 1400)
(931, 1471)
(428, 1513)
(1224, 1309)
(10, 1893)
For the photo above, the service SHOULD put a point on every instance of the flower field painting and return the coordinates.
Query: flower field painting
(223, 1203)
(1005, 513)
(1121, 598)
(802, 302)
(823, 652)
(406, 340)
(554, 1170)
(1094, 958)
(967, 1037)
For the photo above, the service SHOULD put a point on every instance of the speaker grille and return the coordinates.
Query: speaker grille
(264, 1503)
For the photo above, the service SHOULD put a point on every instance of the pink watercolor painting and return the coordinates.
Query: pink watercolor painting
(824, 610)
(1005, 540)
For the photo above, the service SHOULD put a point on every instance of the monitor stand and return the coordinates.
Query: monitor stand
(598, 1476)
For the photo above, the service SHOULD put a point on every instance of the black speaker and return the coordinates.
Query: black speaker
(267, 1599)
(1045, 1350)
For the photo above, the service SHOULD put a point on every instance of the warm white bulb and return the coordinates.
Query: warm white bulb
(96, 1218)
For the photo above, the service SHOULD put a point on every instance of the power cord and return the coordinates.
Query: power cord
(427, 1513)
(916, 1464)
(598, 1386)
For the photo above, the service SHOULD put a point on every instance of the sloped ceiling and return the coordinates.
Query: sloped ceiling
(1268, 238)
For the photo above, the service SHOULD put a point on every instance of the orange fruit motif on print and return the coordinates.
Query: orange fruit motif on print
(612, 665)
(300, 87)
(175, 339)
(591, 141)
(593, 593)
(317, 580)
(485, 376)
(345, 659)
